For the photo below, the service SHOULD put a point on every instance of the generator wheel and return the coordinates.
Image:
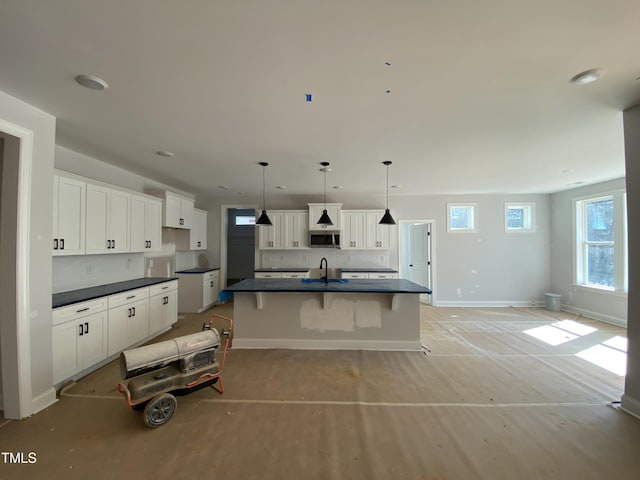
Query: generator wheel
(159, 410)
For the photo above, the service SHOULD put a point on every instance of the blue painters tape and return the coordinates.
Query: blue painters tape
(308, 97)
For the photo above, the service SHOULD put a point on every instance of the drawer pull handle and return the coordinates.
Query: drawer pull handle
(82, 310)
(130, 297)
(164, 288)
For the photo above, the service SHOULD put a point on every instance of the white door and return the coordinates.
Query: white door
(418, 264)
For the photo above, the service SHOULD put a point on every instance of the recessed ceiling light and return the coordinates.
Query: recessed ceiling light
(164, 153)
(338, 187)
(239, 193)
(281, 187)
(92, 82)
(223, 187)
(395, 186)
(325, 169)
(588, 76)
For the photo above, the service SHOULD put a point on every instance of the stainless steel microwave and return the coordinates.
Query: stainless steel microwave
(324, 239)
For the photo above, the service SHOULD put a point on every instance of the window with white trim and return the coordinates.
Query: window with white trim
(601, 241)
(519, 217)
(461, 217)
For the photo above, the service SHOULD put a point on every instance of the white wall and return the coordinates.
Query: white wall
(603, 305)
(631, 397)
(35, 291)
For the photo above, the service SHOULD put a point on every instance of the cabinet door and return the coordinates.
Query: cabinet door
(156, 310)
(170, 313)
(198, 234)
(97, 219)
(296, 230)
(353, 230)
(118, 223)
(68, 216)
(153, 225)
(65, 350)
(271, 237)
(92, 342)
(208, 287)
(186, 213)
(137, 321)
(138, 242)
(117, 330)
(171, 206)
(378, 236)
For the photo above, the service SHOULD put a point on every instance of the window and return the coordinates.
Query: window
(601, 250)
(519, 217)
(245, 220)
(461, 217)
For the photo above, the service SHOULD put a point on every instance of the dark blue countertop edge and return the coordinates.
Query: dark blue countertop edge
(70, 297)
(355, 285)
(199, 270)
(282, 269)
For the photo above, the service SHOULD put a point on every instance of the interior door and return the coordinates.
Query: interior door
(419, 260)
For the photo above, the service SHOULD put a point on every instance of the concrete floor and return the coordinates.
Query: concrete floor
(488, 401)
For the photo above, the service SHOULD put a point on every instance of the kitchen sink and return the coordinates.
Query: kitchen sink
(321, 280)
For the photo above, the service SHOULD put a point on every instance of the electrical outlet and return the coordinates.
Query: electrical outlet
(151, 263)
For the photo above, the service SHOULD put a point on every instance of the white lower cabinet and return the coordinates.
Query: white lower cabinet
(79, 337)
(369, 275)
(163, 306)
(128, 319)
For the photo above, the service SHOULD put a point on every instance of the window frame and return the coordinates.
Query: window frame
(530, 217)
(619, 243)
(472, 208)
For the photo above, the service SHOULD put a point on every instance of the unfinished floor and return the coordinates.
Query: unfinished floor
(488, 401)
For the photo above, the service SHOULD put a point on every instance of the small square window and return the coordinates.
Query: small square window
(461, 217)
(245, 220)
(518, 217)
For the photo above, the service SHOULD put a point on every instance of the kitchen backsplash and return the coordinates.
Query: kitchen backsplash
(82, 271)
(311, 258)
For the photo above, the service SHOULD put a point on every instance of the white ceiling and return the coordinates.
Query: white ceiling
(480, 96)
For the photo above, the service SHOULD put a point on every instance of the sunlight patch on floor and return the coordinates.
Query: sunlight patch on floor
(551, 335)
(610, 359)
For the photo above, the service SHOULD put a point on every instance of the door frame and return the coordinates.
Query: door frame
(224, 209)
(401, 239)
(16, 336)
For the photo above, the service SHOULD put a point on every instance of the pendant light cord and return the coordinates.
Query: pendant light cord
(264, 204)
(387, 186)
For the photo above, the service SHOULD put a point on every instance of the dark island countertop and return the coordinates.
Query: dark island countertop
(198, 270)
(70, 297)
(345, 286)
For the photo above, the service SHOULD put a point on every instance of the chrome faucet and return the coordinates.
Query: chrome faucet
(326, 270)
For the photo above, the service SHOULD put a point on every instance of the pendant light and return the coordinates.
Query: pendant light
(387, 219)
(264, 219)
(324, 218)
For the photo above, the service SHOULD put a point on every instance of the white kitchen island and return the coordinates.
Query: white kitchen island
(342, 314)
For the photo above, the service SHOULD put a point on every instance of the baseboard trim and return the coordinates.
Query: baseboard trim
(489, 303)
(43, 401)
(630, 405)
(619, 322)
(299, 344)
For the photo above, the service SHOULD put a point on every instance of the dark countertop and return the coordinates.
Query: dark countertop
(346, 286)
(279, 269)
(70, 297)
(369, 269)
(199, 270)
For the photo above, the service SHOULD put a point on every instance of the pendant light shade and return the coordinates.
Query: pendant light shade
(324, 218)
(264, 218)
(387, 219)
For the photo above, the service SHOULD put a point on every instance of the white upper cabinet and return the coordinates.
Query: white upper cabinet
(296, 231)
(378, 236)
(315, 211)
(107, 226)
(177, 211)
(353, 230)
(198, 237)
(146, 224)
(68, 216)
(288, 232)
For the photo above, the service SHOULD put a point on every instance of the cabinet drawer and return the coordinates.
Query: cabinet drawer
(78, 310)
(268, 275)
(210, 276)
(375, 276)
(354, 275)
(163, 287)
(295, 274)
(127, 297)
